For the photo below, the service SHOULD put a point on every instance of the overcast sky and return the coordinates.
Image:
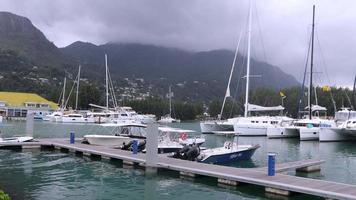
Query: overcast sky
(281, 28)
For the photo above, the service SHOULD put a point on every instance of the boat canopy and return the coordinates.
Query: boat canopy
(257, 108)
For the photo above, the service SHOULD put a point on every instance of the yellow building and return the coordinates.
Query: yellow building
(18, 104)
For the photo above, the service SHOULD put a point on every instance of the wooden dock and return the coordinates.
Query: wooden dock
(279, 184)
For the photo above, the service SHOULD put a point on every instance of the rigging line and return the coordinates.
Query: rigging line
(70, 93)
(227, 94)
(237, 87)
(244, 57)
(301, 93)
(260, 32)
(325, 69)
(322, 58)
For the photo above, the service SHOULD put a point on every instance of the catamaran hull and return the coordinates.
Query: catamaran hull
(335, 134)
(211, 127)
(248, 130)
(231, 157)
(281, 132)
(307, 134)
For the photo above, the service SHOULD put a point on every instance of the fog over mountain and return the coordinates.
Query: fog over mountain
(281, 29)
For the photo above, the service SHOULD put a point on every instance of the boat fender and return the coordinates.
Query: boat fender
(183, 136)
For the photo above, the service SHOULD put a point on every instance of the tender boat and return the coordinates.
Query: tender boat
(16, 139)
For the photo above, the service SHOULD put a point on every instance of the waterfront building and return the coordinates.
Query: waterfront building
(18, 104)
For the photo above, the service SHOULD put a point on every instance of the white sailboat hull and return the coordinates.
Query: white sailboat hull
(215, 126)
(281, 132)
(77, 120)
(308, 133)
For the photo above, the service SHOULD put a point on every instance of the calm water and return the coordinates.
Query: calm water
(34, 174)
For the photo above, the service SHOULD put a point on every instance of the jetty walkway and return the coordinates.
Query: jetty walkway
(279, 184)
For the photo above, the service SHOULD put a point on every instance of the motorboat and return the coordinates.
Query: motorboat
(16, 139)
(169, 139)
(124, 133)
(229, 152)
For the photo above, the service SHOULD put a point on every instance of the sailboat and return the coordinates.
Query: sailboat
(219, 125)
(307, 128)
(254, 125)
(168, 118)
(74, 116)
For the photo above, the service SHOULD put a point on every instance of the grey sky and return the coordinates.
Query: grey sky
(201, 25)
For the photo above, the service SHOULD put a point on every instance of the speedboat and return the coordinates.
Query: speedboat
(229, 152)
(16, 139)
(125, 133)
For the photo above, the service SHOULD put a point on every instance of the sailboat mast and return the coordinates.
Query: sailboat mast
(227, 94)
(354, 93)
(107, 82)
(311, 65)
(64, 93)
(248, 60)
(77, 94)
(170, 101)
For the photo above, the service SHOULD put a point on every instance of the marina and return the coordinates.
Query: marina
(280, 184)
(170, 101)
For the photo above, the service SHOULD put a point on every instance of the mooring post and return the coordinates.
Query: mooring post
(271, 164)
(152, 146)
(71, 137)
(29, 124)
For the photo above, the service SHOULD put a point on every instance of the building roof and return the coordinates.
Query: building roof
(18, 99)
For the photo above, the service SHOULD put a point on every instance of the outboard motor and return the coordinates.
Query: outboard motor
(193, 152)
(181, 154)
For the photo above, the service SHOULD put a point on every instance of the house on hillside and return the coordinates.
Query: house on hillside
(18, 104)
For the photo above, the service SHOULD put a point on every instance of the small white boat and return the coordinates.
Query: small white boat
(16, 139)
(126, 132)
